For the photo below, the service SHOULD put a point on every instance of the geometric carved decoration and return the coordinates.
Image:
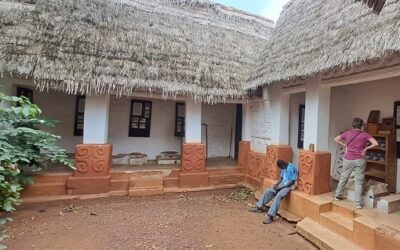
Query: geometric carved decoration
(314, 172)
(275, 153)
(256, 164)
(193, 158)
(92, 160)
(305, 181)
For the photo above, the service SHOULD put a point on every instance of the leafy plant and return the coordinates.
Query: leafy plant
(23, 144)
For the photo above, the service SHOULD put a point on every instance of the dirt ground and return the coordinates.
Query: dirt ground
(204, 220)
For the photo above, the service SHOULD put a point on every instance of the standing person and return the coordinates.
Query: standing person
(279, 191)
(356, 143)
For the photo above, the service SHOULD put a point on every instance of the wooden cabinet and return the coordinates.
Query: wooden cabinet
(382, 161)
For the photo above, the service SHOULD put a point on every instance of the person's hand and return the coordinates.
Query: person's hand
(364, 152)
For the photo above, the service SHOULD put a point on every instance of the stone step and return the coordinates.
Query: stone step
(344, 208)
(337, 223)
(146, 185)
(50, 178)
(45, 189)
(322, 237)
(222, 179)
(171, 182)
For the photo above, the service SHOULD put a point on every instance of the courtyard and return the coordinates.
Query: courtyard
(200, 220)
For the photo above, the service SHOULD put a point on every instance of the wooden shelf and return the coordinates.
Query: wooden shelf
(376, 174)
(381, 136)
(381, 170)
(378, 148)
(377, 162)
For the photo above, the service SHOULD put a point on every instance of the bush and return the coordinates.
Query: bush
(23, 144)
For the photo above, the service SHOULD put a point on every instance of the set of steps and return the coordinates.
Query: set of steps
(334, 230)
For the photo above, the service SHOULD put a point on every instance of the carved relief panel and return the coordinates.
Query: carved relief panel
(256, 164)
(92, 160)
(193, 158)
(314, 172)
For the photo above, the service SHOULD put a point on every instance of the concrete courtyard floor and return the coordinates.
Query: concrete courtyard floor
(203, 220)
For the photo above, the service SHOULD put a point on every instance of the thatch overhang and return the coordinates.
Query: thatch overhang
(175, 47)
(316, 36)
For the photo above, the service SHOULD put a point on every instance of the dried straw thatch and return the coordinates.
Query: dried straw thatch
(313, 36)
(175, 47)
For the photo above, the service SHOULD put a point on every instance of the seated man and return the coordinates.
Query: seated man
(279, 191)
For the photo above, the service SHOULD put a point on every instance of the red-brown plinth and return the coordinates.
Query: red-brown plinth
(275, 153)
(193, 158)
(244, 149)
(93, 164)
(193, 166)
(314, 172)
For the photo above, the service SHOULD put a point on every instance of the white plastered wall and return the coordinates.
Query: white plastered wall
(295, 101)
(162, 131)
(358, 100)
(220, 121)
(54, 105)
(59, 106)
(265, 121)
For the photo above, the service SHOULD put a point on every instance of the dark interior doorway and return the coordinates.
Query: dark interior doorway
(238, 128)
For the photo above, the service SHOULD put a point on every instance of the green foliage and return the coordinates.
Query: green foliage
(23, 144)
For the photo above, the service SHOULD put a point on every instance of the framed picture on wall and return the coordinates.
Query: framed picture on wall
(140, 118)
(79, 115)
(28, 93)
(300, 133)
(180, 120)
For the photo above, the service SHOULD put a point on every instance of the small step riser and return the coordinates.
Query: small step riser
(343, 211)
(336, 228)
(313, 239)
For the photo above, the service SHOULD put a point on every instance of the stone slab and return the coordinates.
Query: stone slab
(135, 192)
(389, 204)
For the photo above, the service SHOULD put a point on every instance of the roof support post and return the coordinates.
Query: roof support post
(280, 118)
(317, 114)
(246, 122)
(193, 164)
(93, 157)
(193, 121)
(95, 129)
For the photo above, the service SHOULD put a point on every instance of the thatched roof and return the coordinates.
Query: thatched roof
(175, 47)
(313, 36)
